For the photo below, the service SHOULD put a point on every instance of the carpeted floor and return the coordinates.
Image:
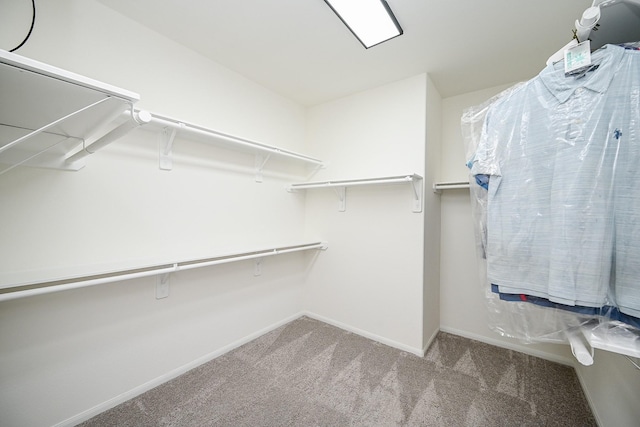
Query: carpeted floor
(308, 373)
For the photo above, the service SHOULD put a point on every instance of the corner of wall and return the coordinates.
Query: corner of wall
(611, 386)
(432, 214)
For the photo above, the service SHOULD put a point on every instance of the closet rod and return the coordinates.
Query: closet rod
(354, 182)
(190, 128)
(581, 350)
(134, 119)
(86, 281)
(438, 186)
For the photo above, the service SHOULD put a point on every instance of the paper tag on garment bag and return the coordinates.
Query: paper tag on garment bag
(577, 59)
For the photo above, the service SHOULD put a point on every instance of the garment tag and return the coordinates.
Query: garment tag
(577, 59)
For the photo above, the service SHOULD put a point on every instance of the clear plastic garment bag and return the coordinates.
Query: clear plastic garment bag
(554, 185)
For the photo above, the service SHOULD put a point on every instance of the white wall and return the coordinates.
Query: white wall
(612, 384)
(432, 218)
(67, 352)
(371, 278)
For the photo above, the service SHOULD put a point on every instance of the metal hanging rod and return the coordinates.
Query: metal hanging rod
(439, 186)
(354, 182)
(136, 118)
(41, 288)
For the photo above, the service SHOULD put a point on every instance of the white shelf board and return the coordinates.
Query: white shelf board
(616, 340)
(46, 112)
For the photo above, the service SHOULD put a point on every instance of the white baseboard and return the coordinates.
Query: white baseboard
(510, 346)
(429, 341)
(90, 413)
(417, 351)
(86, 415)
(117, 400)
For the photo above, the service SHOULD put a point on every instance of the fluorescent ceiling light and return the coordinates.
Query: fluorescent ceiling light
(371, 21)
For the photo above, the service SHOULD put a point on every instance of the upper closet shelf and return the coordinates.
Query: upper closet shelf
(47, 112)
(171, 128)
(340, 186)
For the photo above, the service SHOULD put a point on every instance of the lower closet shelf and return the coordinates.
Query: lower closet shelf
(32, 288)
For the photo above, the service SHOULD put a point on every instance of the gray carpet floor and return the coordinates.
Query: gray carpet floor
(308, 373)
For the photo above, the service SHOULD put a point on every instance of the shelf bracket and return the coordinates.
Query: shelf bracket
(341, 192)
(165, 147)
(257, 270)
(417, 185)
(260, 161)
(316, 169)
(162, 286)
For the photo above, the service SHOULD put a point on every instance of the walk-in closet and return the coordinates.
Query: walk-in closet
(235, 213)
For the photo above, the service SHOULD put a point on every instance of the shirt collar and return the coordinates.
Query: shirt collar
(598, 80)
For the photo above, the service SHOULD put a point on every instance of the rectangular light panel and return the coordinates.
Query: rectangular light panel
(371, 21)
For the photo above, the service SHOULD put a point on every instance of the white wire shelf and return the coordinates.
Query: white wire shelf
(171, 128)
(69, 123)
(47, 112)
(340, 187)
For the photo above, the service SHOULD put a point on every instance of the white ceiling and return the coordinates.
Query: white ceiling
(300, 49)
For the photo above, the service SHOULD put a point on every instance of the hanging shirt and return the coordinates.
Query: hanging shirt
(556, 149)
